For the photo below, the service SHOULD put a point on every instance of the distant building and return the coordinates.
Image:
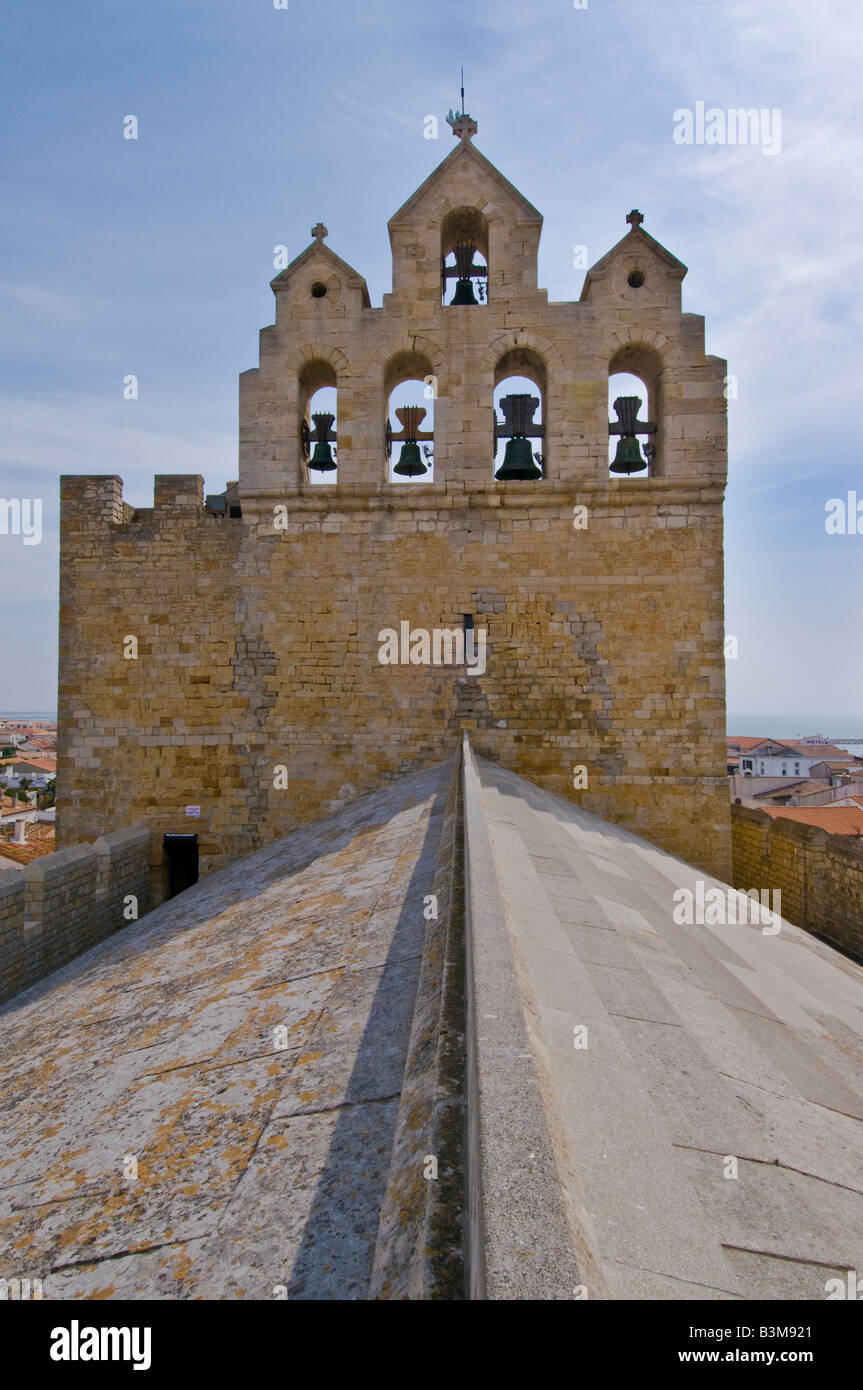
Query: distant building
(836, 770)
(767, 757)
(37, 772)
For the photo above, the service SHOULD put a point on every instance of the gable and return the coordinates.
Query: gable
(315, 256)
(639, 248)
(489, 184)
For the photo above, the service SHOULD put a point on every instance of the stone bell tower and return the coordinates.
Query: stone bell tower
(267, 691)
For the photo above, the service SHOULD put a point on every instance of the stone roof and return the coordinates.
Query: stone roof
(703, 1042)
(296, 1160)
(263, 1158)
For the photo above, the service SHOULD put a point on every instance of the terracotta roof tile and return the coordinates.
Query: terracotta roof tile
(40, 840)
(836, 820)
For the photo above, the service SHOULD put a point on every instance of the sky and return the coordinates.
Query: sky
(153, 256)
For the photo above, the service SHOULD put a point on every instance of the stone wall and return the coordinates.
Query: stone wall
(59, 905)
(820, 875)
(258, 650)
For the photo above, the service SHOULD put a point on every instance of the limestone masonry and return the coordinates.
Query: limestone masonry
(820, 876)
(254, 689)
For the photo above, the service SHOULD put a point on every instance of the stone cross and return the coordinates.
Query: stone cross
(319, 231)
(635, 218)
(464, 127)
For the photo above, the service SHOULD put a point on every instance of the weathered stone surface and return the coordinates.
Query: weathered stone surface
(281, 1050)
(704, 1044)
(246, 1044)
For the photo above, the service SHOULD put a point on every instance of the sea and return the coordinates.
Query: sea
(23, 714)
(835, 727)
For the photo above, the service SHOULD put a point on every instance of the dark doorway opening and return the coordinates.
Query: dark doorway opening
(181, 859)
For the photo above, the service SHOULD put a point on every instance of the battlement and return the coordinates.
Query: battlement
(59, 905)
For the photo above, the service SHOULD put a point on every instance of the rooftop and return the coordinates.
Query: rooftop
(836, 820)
(275, 1049)
(40, 840)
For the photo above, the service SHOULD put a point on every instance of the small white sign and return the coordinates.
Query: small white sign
(193, 810)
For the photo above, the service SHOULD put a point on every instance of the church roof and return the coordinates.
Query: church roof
(279, 1048)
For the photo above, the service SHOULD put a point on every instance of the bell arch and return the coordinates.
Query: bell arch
(410, 393)
(635, 402)
(317, 400)
(520, 408)
(464, 256)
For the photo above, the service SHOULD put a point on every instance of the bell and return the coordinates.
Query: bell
(628, 458)
(518, 462)
(322, 459)
(410, 464)
(464, 293)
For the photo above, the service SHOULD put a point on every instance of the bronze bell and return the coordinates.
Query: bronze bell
(322, 459)
(628, 457)
(410, 464)
(464, 293)
(518, 459)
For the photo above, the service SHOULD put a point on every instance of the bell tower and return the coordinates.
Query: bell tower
(440, 465)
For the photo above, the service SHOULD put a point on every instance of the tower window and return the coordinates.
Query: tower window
(631, 447)
(318, 400)
(519, 410)
(411, 387)
(464, 257)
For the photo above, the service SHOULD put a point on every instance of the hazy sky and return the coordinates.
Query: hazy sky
(154, 256)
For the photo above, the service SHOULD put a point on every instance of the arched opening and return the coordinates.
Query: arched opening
(411, 389)
(318, 402)
(519, 416)
(464, 257)
(634, 411)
